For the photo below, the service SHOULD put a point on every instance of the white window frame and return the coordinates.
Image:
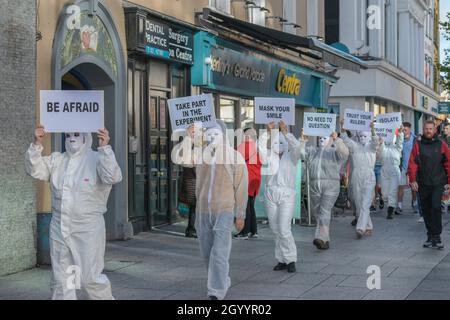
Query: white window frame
(221, 5)
(255, 15)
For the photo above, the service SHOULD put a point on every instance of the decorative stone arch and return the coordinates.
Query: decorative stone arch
(87, 40)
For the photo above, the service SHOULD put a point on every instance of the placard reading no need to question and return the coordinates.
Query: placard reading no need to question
(269, 110)
(319, 124)
(189, 110)
(72, 110)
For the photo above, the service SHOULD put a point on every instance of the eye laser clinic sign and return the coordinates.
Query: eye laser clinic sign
(188, 110)
(72, 110)
(269, 110)
(357, 120)
(319, 124)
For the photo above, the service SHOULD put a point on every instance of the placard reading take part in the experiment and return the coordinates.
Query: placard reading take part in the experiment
(269, 110)
(188, 110)
(72, 110)
(319, 124)
(357, 120)
(391, 120)
(385, 132)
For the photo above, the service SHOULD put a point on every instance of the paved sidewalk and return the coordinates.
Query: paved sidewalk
(163, 266)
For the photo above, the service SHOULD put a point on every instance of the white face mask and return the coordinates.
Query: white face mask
(279, 145)
(213, 136)
(323, 141)
(74, 141)
(364, 138)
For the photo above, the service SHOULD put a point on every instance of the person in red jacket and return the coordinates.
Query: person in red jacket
(249, 151)
(429, 174)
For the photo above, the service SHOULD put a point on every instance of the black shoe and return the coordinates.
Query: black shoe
(390, 214)
(321, 245)
(291, 267)
(428, 243)
(436, 243)
(280, 266)
(354, 222)
(381, 205)
(373, 209)
(398, 211)
(212, 298)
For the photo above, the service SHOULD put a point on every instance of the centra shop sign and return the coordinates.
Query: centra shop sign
(159, 38)
(288, 84)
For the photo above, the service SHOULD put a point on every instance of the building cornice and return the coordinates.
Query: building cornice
(402, 76)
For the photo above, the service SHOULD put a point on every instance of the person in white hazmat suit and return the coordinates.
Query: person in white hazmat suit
(391, 154)
(221, 192)
(279, 197)
(363, 156)
(80, 180)
(324, 165)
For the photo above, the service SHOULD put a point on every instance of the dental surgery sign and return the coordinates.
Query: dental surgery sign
(72, 110)
(159, 38)
(169, 42)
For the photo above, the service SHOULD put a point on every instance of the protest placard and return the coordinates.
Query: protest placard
(385, 132)
(319, 124)
(357, 120)
(269, 110)
(391, 120)
(193, 109)
(72, 110)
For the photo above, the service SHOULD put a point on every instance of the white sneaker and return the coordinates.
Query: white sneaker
(420, 220)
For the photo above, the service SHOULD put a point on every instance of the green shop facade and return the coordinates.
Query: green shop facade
(235, 74)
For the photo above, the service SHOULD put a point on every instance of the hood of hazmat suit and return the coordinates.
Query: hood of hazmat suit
(80, 181)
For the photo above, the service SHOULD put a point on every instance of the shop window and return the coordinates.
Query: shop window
(247, 113)
(227, 114)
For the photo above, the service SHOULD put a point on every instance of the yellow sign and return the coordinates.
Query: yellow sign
(288, 84)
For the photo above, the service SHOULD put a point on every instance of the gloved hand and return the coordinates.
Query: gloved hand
(39, 135)
(103, 137)
(239, 224)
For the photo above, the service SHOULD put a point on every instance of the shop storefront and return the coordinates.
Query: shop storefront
(160, 56)
(235, 74)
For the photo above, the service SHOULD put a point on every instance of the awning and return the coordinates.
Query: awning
(287, 40)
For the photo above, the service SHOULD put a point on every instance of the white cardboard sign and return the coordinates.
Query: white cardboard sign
(319, 124)
(193, 109)
(391, 120)
(385, 132)
(269, 110)
(357, 120)
(72, 110)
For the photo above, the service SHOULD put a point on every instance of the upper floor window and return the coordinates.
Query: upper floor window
(221, 5)
(257, 12)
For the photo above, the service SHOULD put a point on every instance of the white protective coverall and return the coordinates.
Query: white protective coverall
(363, 156)
(279, 197)
(221, 191)
(80, 182)
(324, 165)
(391, 155)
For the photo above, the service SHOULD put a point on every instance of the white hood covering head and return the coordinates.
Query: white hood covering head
(78, 144)
(364, 137)
(324, 141)
(216, 135)
(279, 144)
